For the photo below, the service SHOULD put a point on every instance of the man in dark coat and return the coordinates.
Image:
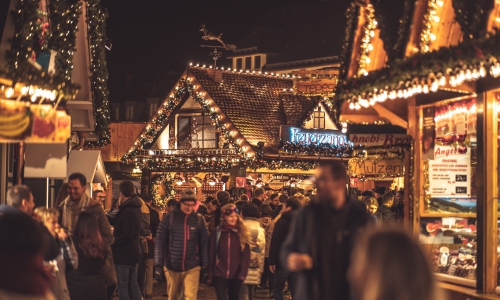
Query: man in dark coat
(259, 196)
(182, 246)
(319, 244)
(128, 224)
(386, 215)
(281, 229)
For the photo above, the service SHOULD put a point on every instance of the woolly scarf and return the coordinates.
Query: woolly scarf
(70, 210)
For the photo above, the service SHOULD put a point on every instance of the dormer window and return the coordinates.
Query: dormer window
(319, 118)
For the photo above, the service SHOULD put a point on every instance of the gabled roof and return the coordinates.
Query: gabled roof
(257, 105)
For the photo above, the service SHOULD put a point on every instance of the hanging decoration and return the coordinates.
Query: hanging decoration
(366, 45)
(424, 73)
(283, 164)
(189, 164)
(162, 189)
(96, 22)
(472, 16)
(161, 119)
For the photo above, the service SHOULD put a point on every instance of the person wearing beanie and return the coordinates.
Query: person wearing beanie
(378, 193)
(182, 245)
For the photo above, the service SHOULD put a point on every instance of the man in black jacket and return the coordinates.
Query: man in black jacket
(149, 253)
(259, 196)
(322, 236)
(128, 224)
(387, 216)
(182, 245)
(281, 229)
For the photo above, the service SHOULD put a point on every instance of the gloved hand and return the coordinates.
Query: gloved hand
(203, 275)
(159, 274)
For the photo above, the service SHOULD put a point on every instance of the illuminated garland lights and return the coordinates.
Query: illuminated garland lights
(283, 164)
(64, 17)
(188, 164)
(96, 22)
(166, 181)
(29, 37)
(424, 73)
(366, 45)
(430, 17)
(472, 16)
(328, 150)
(161, 119)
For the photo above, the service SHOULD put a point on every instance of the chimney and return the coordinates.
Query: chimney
(215, 74)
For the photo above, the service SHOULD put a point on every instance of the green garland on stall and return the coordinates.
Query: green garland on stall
(168, 182)
(393, 29)
(472, 16)
(64, 15)
(161, 119)
(96, 22)
(351, 16)
(198, 164)
(327, 150)
(283, 164)
(470, 53)
(26, 40)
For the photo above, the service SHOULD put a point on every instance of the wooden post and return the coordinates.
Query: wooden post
(109, 194)
(414, 183)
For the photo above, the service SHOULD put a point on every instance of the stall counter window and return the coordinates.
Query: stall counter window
(448, 195)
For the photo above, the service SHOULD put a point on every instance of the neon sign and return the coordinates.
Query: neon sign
(313, 136)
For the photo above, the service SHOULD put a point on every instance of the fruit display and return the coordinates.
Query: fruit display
(15, 120)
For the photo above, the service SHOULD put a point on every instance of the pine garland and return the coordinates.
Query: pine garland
(96, 22)
(472, 16)
(64, 15)
(351, 15)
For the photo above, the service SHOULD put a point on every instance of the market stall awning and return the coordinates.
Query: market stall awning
(89, 163)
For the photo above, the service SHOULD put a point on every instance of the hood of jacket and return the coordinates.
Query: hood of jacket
(265, 221)
(133, 201)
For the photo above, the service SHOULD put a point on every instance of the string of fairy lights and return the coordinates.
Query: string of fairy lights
(366, 42)
(430, 23)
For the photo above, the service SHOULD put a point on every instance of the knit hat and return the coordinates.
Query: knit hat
(188, 195)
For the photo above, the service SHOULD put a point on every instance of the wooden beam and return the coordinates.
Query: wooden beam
(414, 187)
(394, 119)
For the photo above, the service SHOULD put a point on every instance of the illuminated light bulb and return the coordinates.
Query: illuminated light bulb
(364, 103)
(357, 106)
(33, 98)
(400, 94)
(372, 101)
(440, 3)
(468, 75)
(475, 74)
(393, 95)
(425, 89)
(368, 60)
(9, 92)
(197, 65)
(375, 23)
(434, 86)
(24, 90)
(442, 81)
(432, 36)
(351, 106)
(435, 18)
(370, 47)
(204, 66)
(190, 64)
(482, 71)
(372, 33)
(344, 130)
(405, 94)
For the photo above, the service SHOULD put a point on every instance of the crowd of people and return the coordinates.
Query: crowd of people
(327, 247)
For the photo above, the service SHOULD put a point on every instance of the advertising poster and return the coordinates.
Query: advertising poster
(450, 172)
(429, 130)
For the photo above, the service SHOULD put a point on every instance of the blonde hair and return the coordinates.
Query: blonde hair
(48, 213)
(240, 225)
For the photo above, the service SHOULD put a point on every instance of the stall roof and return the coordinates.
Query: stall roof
(89, 163)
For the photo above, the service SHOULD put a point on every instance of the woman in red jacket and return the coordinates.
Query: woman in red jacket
(229, 254)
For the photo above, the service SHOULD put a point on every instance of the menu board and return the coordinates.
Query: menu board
(450, 172)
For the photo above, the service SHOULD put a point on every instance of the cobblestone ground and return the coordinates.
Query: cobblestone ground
(205, 292)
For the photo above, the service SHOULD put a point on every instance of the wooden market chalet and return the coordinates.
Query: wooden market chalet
(217, 121)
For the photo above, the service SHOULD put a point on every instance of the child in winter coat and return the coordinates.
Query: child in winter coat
(229, 254)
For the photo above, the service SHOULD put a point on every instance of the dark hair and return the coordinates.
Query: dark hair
(146, 198)
(18, 233)
(209, 199)
(244, 198)
(202, 210)
(240, 203)
(337, 169)
(367, 193)
(80, 177)
(266, 210)
(171, 202)
(250, 210)
(283, 198)
(259, 192)
(223, 197)
(273, 195)
(88, 235)
(17, 194)
(387, 197)
(215, 202)
(294, 203)
(97, 191)
(127, 188)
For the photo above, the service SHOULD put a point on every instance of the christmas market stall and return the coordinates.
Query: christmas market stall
(434, 65)
(233, 130)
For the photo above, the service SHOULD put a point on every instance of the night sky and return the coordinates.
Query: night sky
(154, 37)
